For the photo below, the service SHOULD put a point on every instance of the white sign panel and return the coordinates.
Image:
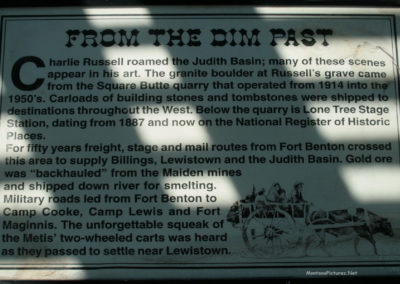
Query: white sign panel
(160, 143)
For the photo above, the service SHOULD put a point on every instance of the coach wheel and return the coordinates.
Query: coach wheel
(270, 232)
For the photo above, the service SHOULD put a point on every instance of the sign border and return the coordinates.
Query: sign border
(208, 265)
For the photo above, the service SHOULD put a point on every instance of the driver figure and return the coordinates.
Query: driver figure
(275, 194)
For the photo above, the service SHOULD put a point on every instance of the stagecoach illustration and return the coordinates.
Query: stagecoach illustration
(272, 224)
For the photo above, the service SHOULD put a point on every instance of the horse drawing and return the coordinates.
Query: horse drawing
(362, 224)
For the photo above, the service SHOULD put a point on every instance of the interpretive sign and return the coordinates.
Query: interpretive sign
(163, 143)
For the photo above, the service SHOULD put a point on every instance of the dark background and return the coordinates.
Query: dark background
(55, 3)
